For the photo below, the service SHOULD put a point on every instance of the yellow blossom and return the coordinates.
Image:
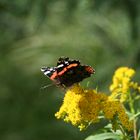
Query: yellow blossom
(113, 108)
(134, 85)
(124, 118)
(82, 107)
(122, 82)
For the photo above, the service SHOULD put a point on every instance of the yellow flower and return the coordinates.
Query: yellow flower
(122, 82)
(124, 118)
(115, 108)
(134, 85)
(82, 107)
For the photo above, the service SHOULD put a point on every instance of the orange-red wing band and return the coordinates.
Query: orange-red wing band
(54, 75)
(68, 67)
(72, 65)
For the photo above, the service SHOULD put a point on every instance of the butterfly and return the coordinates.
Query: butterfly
(67, 72)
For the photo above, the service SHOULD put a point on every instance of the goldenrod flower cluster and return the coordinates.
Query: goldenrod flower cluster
(113, 108)
(122, 83)
(82, 107)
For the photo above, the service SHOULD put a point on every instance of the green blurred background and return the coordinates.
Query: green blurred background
(35, 33)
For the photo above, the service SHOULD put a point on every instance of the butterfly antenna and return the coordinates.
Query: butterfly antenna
(46, 86)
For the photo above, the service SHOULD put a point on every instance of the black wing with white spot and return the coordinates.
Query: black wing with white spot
(48, 71)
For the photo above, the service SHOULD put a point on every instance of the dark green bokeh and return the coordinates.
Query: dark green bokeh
(103, 34)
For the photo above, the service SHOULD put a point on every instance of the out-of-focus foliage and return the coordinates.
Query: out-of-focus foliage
(103, 34)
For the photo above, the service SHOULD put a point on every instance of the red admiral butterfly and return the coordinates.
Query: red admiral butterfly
(67, 72)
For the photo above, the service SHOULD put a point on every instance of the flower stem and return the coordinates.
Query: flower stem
(131, 105)
(135, 129)
(125, 137)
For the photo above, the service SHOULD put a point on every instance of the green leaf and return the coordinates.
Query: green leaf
(139, 134)
(134, 116)
(104, 136)
(137, 97)
(108, 126)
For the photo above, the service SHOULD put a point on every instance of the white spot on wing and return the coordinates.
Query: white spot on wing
(43, 69)
(66, 62)
(47, 72)
(59, 66)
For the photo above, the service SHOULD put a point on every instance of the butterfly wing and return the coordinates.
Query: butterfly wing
(75, 74)
(48, 71)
